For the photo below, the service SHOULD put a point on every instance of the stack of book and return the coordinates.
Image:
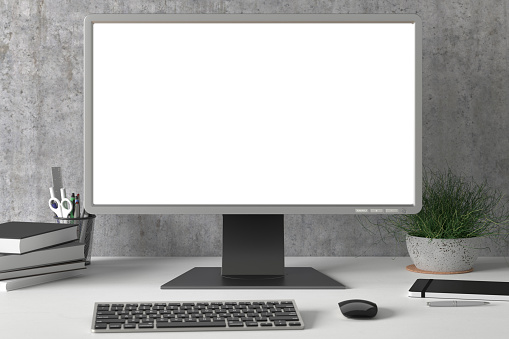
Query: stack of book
(35, 253)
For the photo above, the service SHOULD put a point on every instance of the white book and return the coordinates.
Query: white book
(62, 253)
(14, 284)
(42, 270)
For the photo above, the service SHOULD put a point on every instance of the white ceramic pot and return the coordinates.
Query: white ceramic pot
(443, 255)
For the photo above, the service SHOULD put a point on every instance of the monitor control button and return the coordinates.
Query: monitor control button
(391, 210)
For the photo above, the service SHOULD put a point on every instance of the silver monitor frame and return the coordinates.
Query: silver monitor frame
(249, 209)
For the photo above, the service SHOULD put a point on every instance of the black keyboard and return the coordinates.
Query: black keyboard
(196, 316)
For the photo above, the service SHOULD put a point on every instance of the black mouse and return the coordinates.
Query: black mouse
(358, 309)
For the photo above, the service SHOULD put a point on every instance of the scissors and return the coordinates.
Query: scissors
(61, 208)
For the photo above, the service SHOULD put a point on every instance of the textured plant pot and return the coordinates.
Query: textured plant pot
(443, 255)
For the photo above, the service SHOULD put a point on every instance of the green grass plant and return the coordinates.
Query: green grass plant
(453, 207)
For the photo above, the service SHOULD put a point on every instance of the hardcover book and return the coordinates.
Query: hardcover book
(22, 237)
(460, 289)
(38, 270)
(73, 251)
(9, 285)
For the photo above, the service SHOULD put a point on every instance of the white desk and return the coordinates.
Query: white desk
(63, 309)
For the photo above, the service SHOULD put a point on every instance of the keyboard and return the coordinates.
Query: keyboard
(110, 317)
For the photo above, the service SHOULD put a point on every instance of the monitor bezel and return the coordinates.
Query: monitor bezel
(91, 19)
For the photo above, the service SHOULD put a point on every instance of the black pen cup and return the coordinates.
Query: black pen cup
(85, 232)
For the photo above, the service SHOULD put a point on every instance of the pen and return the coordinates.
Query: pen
(77, 212)
(454, 303)
(73, 201)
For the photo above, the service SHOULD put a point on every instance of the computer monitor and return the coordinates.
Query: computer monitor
(252, 116)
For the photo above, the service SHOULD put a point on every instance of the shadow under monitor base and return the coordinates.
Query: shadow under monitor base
(294, 278)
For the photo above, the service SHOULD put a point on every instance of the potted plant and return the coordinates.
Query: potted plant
(457, 212)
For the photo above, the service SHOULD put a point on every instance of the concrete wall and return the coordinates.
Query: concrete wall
(465, 115)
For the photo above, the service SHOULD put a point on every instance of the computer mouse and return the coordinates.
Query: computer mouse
(358, 309)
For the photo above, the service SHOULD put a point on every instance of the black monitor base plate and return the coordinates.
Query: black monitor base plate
(294, 278)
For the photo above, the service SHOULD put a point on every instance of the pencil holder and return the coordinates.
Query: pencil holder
(85, 232)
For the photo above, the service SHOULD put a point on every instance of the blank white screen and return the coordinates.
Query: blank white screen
(254, 113)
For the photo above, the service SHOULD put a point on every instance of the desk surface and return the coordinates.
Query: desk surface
(41, 311)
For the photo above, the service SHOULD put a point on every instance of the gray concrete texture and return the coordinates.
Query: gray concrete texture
(465, 116)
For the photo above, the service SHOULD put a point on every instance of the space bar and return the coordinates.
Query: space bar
(190, 324)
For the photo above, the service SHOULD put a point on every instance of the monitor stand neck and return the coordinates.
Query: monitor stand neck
(253, 258)
(253, 246)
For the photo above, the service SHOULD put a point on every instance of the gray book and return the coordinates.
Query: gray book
(13, 284)
(42, 270)
(73, 251)
(21, 237)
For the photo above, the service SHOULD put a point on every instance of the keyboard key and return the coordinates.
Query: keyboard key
(106, 312)
(190, 325)
(115, 326)
(279, 318)
(110, 321)
(107, 317)
(146, 325)
(294, 323)
(235, 324)
(100, 326)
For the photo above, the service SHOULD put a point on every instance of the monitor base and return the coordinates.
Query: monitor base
(294, 278)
